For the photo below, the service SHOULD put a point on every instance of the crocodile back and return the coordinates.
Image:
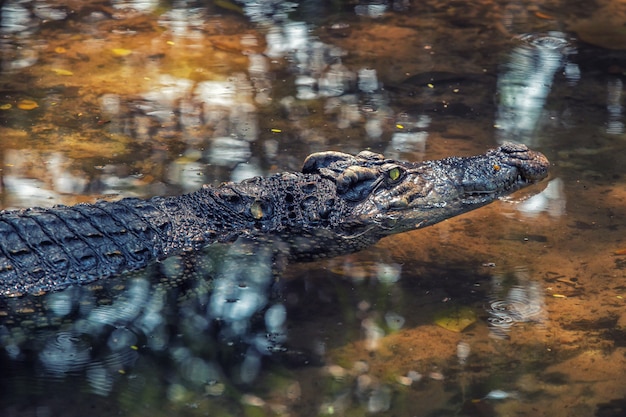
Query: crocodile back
(45, 249)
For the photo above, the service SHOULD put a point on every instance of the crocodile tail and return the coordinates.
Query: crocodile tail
(48, 249)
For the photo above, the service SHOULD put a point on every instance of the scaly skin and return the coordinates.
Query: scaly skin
(339, 204)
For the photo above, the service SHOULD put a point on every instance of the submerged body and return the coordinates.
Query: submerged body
(338, 204)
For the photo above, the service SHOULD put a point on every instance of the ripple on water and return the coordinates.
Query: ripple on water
(65, 352)
(521, 303)
(551, 40)
(99, 378)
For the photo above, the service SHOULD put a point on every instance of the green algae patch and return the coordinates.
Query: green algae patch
(456, 319)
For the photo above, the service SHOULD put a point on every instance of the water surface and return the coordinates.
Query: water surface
(516, 308)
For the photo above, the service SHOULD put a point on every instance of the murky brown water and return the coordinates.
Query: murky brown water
(515, 309)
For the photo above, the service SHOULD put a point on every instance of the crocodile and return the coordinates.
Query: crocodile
(338, 204)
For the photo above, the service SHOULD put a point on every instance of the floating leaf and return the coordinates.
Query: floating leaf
(60, 50)
(121, 51)
(455, 319)
(27, 105)
(546, 16)
(60, 71)
(229, 5)
(6, 106)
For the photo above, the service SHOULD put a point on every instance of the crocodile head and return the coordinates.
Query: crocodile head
(385, 196)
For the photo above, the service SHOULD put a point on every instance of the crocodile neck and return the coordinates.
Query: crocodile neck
(285, 203)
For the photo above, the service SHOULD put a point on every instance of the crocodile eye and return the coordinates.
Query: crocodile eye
(394, 174)
(256, 210)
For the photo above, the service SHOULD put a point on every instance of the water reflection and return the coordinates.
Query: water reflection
(526, 80)
(515, 299)
(188, 313)
(16, 17)
(410, 135)
(551, 200)
(615, 110)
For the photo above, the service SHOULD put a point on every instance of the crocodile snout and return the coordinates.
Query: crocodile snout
(533, 165)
